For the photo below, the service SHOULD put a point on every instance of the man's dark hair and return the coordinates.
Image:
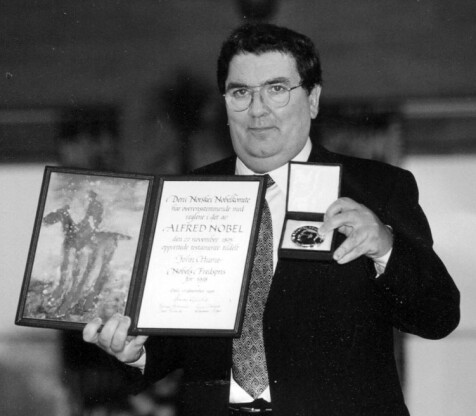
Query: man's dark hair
(259, 38)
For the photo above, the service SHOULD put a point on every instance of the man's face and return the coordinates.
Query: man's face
(264, 137)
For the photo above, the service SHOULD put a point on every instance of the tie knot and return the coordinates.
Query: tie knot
(269, 181)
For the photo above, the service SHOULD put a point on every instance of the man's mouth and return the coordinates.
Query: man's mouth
(261, 128)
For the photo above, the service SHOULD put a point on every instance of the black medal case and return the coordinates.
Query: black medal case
(312, 188)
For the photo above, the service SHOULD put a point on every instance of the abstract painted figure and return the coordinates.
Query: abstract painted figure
(86, 256)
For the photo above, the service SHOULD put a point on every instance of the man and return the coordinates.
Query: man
(94, 211)
(327, 326)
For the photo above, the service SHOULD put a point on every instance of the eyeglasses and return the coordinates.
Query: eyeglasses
(274, 95)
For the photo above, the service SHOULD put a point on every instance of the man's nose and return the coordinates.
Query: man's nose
(257, 106)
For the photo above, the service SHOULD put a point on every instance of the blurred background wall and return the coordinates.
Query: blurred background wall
(130, 86)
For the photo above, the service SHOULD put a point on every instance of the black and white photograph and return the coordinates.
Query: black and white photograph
(345, 288)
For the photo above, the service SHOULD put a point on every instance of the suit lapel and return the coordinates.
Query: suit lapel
(321, 155)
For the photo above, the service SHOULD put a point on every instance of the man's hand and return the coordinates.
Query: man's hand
(366, 235)
(113, 338)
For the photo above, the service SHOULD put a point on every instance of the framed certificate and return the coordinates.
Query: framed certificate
(173, 253)
(197, 264)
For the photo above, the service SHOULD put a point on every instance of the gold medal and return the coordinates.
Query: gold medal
(307, 236)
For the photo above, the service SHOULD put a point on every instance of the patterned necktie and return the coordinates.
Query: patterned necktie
(249, 361)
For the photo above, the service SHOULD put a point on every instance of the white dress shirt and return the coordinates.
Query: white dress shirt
(276, 199)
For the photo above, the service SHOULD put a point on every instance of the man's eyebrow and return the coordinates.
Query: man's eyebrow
(278, 80)
(233, 85)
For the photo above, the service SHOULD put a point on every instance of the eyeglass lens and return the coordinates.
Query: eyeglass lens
(273, 95)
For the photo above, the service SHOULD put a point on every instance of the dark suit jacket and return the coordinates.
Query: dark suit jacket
(328, 328)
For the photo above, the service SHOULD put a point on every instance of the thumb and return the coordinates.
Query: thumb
(138, 341)
(325, 227)
(134, 349)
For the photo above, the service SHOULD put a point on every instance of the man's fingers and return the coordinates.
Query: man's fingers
(348, 251)
(342, 221)
(139, 340)
(114, 339)
(107, 333)
(119, 337)
(341, 204)
(351, 255)
(91, 331)
(133, 347)
(341, 212)
(353, 240)
(366, 235)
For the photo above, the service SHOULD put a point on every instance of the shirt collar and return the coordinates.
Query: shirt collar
(279, 175)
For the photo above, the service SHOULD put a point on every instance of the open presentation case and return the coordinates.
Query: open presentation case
(312, 187)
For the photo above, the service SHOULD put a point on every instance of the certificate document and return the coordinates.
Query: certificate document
(200, 258)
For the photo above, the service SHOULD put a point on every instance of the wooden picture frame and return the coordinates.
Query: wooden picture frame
(84, 253)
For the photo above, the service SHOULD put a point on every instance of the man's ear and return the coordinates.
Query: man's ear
(314, 96)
